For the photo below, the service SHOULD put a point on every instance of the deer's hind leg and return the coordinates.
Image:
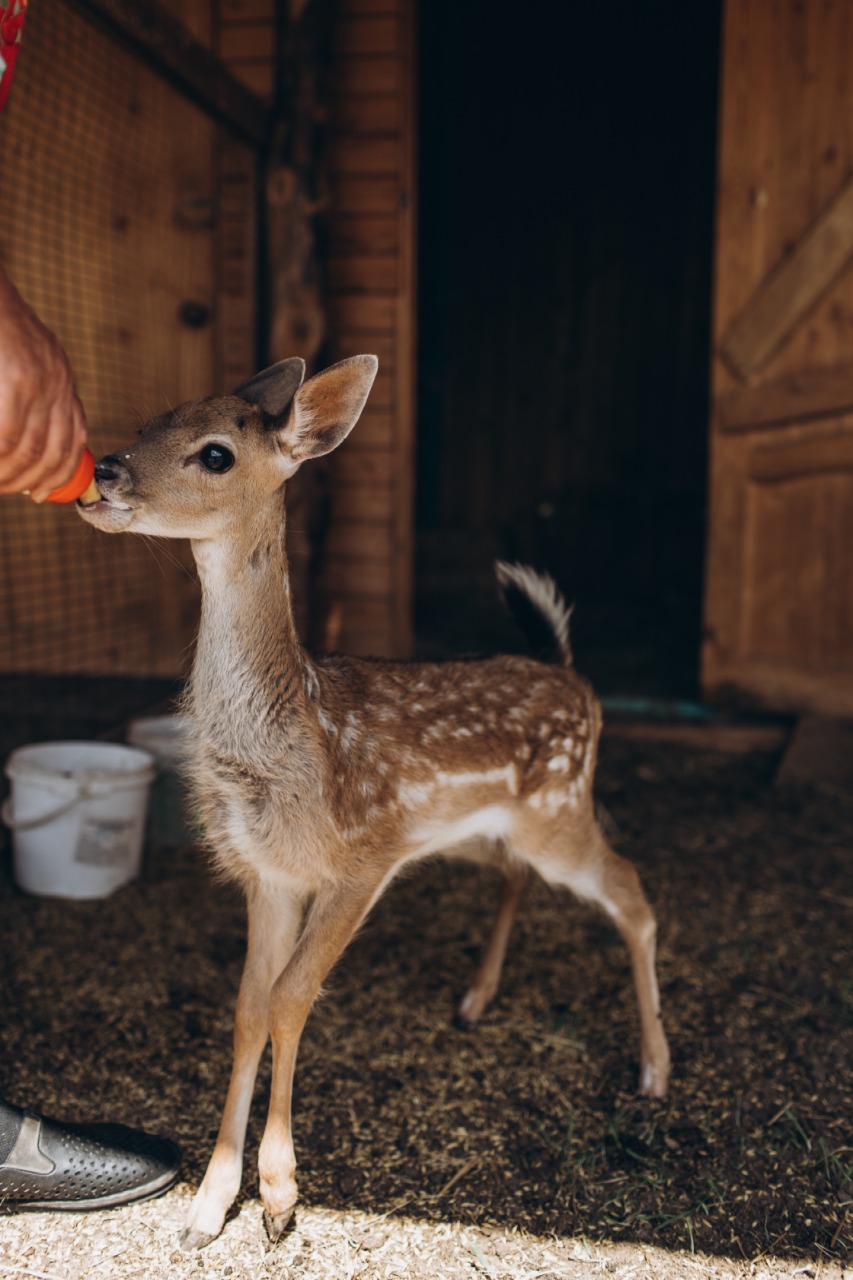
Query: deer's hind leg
(596, 874)
(274, 920)
(482, 990)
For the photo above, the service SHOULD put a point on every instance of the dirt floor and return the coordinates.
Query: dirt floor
(517, 1150)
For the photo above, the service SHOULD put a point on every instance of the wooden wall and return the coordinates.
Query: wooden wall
(245, 41)
(105, 225)
(127, 219)
(370, 278)
(241, 34)
(779, 604)
(366, 227)
(158, 208)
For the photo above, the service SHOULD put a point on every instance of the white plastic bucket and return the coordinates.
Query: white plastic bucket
(77, 815)
(165, 737)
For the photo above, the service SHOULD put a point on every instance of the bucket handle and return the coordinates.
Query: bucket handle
(17, 824)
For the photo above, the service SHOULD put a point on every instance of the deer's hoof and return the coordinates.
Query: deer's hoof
(276, 1223)
(470, 1011)
(191, 1239)
(654, 1081)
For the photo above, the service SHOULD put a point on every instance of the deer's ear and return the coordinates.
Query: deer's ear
(274, 389)
(327, 408)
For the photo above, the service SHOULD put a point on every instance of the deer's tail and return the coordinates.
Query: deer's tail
(536, 604)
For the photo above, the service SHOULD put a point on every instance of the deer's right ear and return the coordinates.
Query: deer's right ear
(273, 389)
(327, 408)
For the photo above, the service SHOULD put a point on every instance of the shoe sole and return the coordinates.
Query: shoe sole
(140, 1194)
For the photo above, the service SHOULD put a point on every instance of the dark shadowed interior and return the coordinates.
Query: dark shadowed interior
(566, 211)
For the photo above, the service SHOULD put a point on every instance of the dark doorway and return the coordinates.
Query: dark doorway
(566, 205)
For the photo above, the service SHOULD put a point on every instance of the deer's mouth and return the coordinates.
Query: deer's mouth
(109, 514)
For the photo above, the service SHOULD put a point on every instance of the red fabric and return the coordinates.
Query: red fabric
(12, 14)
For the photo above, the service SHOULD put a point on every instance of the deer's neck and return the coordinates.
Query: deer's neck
(248, 675)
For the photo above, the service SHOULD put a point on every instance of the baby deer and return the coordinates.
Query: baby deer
(317, 778)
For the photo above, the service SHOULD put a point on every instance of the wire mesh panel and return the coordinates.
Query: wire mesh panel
(107, 228)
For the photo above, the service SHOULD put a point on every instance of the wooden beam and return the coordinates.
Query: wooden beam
(176, 54)
(792, 290)
(734, 739)
(829, 455)
(799, 397)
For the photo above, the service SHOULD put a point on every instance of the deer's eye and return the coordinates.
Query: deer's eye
(215, 457)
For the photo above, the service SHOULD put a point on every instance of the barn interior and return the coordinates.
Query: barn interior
(603, 254)
(566, 214)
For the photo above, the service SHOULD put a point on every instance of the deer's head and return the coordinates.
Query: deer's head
(197, 471)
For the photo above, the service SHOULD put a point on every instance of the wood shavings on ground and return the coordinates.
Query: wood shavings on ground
(139, 1243)
(520, 1149)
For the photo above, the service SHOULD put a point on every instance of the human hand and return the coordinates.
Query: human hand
(42, 423)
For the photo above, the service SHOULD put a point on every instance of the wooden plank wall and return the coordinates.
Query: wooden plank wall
(366, 563)
(105, 170)
(241, 33)
(246, 42)
(201, 190)
(157, 210)
(371, 308)
(243, 37)
(779, 595)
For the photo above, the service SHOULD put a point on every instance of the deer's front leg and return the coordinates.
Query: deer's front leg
(335, 914)
(273, 926)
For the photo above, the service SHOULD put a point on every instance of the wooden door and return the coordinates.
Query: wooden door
(779, 594)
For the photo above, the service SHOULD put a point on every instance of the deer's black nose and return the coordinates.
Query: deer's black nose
(109, 468)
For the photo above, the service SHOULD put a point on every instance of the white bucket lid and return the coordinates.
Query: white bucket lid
(64, 765)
